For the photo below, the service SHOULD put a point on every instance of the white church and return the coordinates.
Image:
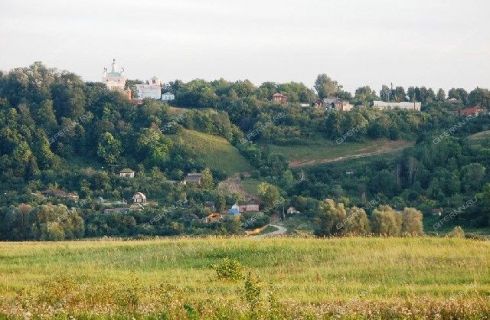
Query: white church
(152, 89)
(115, 79)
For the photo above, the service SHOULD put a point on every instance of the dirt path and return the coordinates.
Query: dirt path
(382, 150)
(279, 232)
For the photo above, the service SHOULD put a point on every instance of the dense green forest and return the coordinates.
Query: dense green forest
(63, 142)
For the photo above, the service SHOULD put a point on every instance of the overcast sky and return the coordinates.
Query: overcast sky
(436, 43)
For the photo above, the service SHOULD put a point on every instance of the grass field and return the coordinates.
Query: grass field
(480, 135)
(308, 278)
(319, 151)
(215, 151)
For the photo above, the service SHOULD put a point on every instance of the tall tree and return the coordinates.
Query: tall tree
(326, 87)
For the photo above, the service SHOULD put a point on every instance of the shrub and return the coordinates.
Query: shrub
(356, 222)
(330, 218)
(252, 292)
(412, 222)
(457, 232)
(229, 269)
(386, 221)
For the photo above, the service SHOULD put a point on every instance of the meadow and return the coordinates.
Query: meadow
(294, 278)
(319, 151)
(216, 152)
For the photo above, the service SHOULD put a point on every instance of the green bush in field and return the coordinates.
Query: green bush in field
(229, 269)
(412, 222)
(252, 291)
(386, 221)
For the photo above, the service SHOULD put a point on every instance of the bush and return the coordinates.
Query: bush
(386, 221)
(229, 269)
(356, 222)
(457, 232)
(252, 292)
(412, 222)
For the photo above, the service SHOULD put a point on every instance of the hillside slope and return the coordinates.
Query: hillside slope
(216, 152)
(321, 151)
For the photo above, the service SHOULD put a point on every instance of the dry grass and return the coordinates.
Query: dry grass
(348, 277)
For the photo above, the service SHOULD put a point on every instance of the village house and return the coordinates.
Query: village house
(383, 105)
(334, 104)
(470, 111)
(193, 178)
(126, 173)
(115, 80)
(249, 208)
(234, 210)
(139, 197)
(279, 98)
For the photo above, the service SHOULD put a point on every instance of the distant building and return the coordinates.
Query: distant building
(234, 210)
(194, 178)
(150, 90)
(334, 103)
(115, 80)
(139, 198)
(292, 210)
(453, 100)
(279, 98)
(470, 111)
(382, 105)
(126, 173)
(167, 96)
(249, 208)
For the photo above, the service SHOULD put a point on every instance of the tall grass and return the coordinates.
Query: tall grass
(348, 277)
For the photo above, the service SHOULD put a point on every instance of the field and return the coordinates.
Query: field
(484, 135)
(216, 152)
(319, 151)
(296, 278)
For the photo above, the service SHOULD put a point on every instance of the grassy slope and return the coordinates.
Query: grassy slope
(215, 151)
(321, 151)
(480, 135)
(307, 270)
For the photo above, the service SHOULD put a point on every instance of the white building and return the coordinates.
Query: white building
(382, 105)
(167, 96)
(115, 79)
(335, 104)
(150, 90)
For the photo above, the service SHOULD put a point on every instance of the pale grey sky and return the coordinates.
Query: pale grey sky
(436, 43)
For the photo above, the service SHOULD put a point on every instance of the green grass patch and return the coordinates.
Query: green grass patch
(318, 150)
(216, 152)
(147, 276)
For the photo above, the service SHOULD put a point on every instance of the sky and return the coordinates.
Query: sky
(432, 43)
